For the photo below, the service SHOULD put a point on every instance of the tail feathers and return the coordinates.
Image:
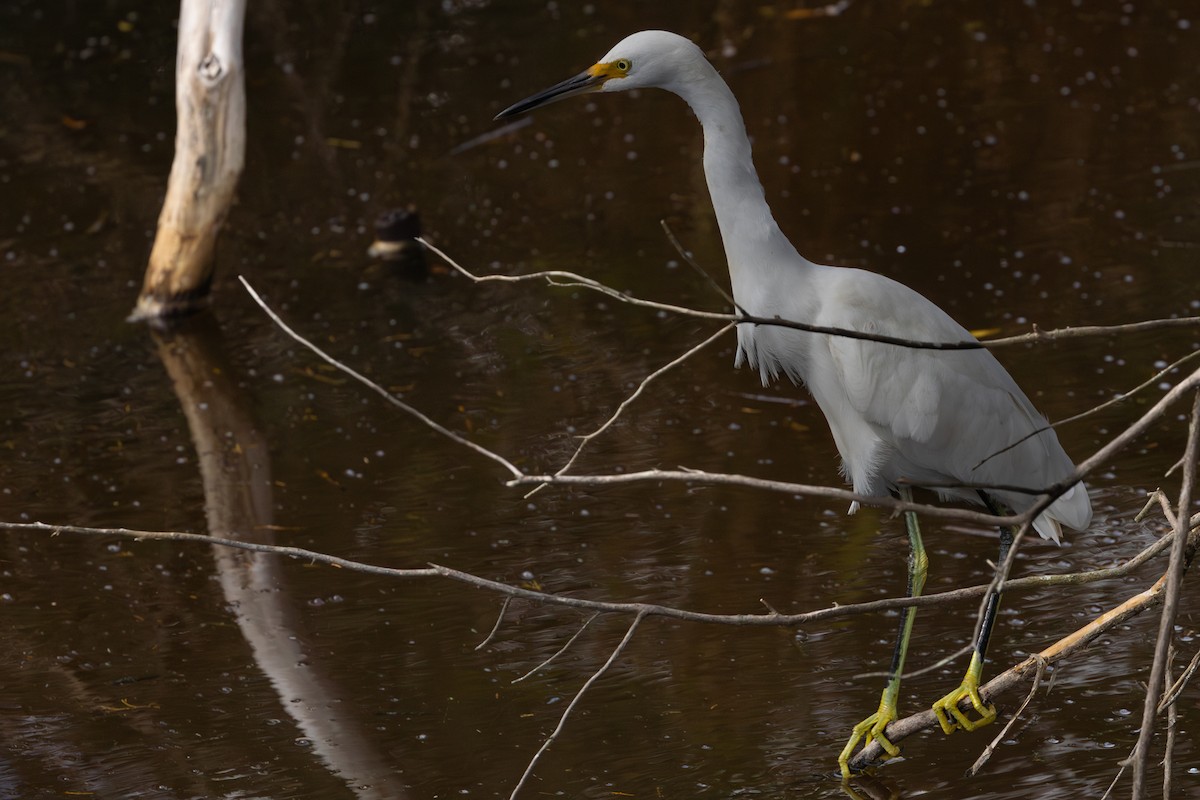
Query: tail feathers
(1073, 509)
(1048, 528)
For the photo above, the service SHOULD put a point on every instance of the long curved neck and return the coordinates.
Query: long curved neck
(754, 245)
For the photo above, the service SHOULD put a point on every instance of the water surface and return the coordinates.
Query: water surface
(1032, 165)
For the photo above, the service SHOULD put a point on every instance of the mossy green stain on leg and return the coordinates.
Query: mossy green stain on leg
(872, 728)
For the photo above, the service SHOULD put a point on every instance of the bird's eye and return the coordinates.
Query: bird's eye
(622, 65)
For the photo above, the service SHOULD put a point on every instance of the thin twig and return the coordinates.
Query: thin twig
(697, 476)
(496, 627)
(686, 255)
(934, 667)
(633, 626)
(770, 608)
(564, 278)
(1121, 771)
(1154, 686)
(1000, 576)
(1151, 501)
(1167, 701)
(1173, 693)
(382, 392)
(1120, 398)
(1168, 512)
(236, 544)
(1084, 331)
(1172, 719)
(986, 755)
(560, 650)
(1048, 496)
(587, 438)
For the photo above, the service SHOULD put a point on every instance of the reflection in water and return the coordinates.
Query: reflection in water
(235, 465)
(867, 787)
(1016, 163)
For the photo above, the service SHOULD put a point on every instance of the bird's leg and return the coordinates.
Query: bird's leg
(948, 713)
(872, 728)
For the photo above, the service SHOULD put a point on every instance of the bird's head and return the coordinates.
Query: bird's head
(642, 60)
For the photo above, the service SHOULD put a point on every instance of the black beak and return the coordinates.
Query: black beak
(582, 83)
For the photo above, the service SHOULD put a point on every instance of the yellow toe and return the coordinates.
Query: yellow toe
(870, 730)
(951, 717)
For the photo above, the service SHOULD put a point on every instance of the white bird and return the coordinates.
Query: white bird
(901, 417)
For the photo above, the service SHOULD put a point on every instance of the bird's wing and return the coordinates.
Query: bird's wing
(942, 412)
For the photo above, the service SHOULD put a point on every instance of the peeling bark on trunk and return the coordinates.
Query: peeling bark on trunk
(210, 146)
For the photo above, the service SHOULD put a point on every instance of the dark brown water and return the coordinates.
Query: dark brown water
(1036, 164)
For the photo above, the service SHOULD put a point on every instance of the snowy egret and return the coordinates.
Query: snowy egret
(953, 420)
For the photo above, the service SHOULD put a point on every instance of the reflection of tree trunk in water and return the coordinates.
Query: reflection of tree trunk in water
(235, 467)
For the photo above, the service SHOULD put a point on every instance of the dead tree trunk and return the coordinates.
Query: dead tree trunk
(210, 146)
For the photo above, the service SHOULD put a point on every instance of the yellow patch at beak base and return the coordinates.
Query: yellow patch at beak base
(606, 71)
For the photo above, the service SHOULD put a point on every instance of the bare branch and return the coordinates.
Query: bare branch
(633, 626)
(1153, 380)
(697, 476)
(1085, 635)
(237, 544)
(1117, 777)
(1172, 694)
(1174, 576)
(934, 667)
(585, 440)
(518, 478)
(686, 255)
(1172, 719)
(1049, 494)
(1168, 512)
(382, 392)
(896, 732)
(575, 280)
(1083, 331)
(770, 619)
(557, 278)
(1065, 647)
(1115, 445)
(496, 627)
(986, 755)
(560, 650)
(1004, 569)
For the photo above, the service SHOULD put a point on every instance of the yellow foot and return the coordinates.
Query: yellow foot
(870, 729)
(947, 711)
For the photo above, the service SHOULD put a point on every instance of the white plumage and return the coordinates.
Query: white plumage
(901, 417)
(898, 415)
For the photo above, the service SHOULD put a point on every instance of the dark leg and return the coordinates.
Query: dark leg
(947, 710)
